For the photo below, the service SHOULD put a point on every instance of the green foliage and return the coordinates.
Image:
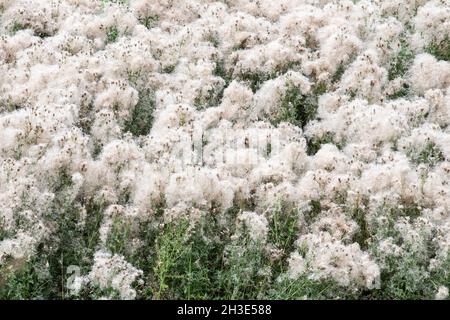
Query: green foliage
(17, 26)
(75, 243)
(406, 210)
(336, 77)
(112, 34)
(186, 260)
(149, 21)
(404, 278)
(407, 276)
(188, 269)
(315, 208)
(27, 279)
(298, 108)
(213, 38)
(94, 292)
(246, 273)
(400, 64)
(205, 264)
(400, 93)
(441, 50)
(430, 155)
(72, 243)
(283, 231)
(314, 144)
(3, 233)
(44, 276)
(171, 247)
(119, 236)
(304, 288)
(169, 69)
(221, 71)
(141, 120)
(256, 79)
(122, 2)
(215, 95)
(362, 236)
(212, 97)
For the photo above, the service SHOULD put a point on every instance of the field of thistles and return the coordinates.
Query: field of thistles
(224, 149)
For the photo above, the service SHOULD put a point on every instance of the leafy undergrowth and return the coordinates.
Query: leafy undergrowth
(202, 261)
(441, 49)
